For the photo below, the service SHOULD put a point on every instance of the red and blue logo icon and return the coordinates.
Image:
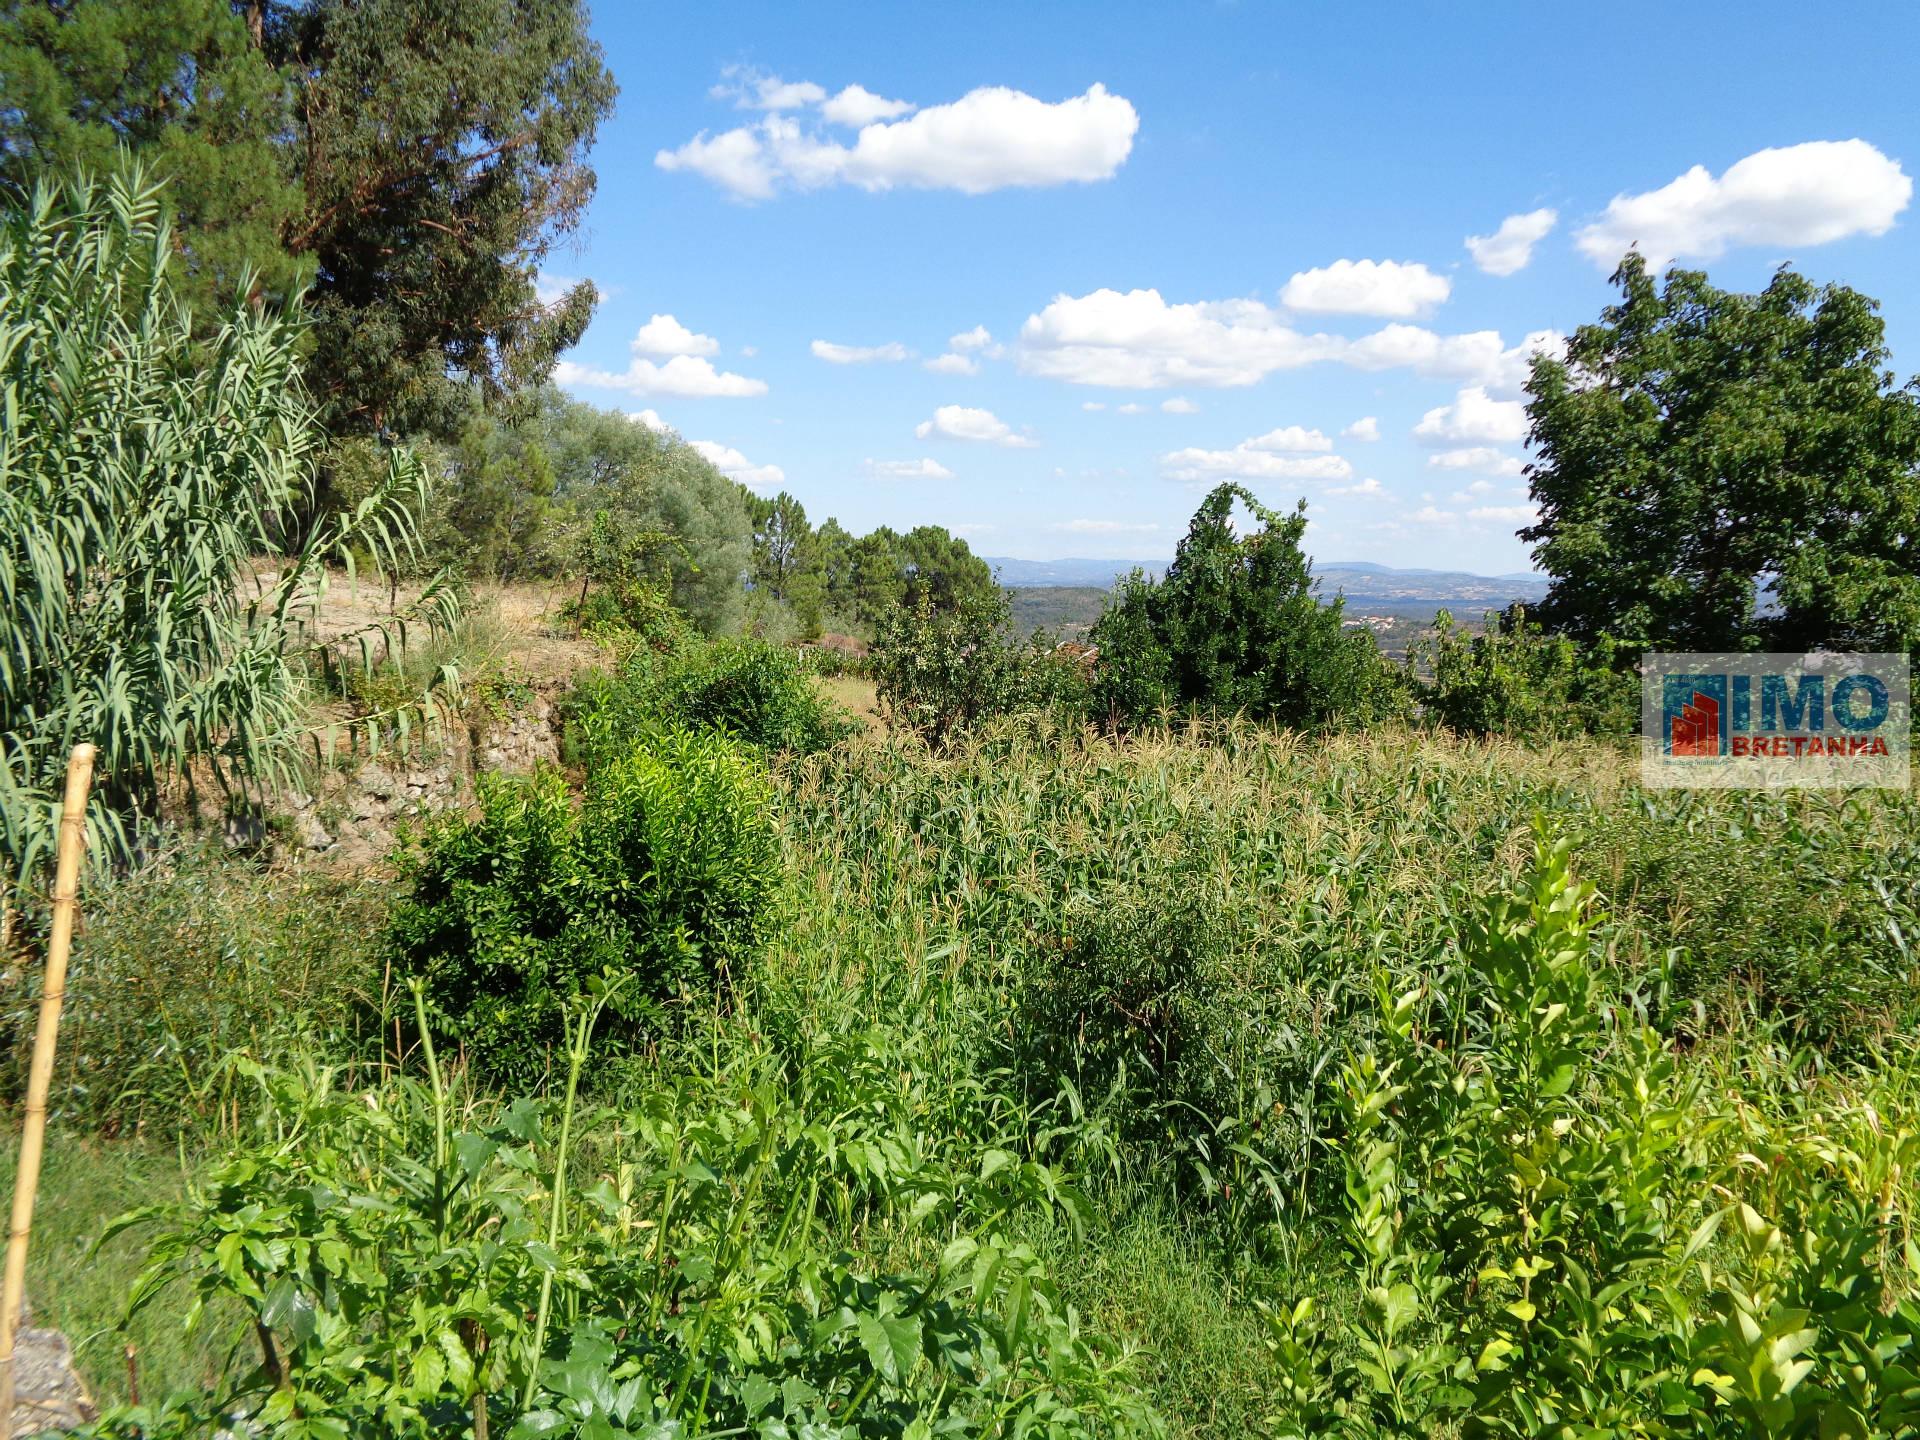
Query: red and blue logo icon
(1693, 716)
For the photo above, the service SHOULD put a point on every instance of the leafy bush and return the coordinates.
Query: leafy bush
(409, 1265)
(940, 672)
(1129, 994)
(1235, 627)
(1516, 680)
(757, 692)
(663, 876)
(760, 692)
(832, 664)
(142, 470)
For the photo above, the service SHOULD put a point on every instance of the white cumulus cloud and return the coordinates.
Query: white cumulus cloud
(1807, 194)
(891, 352)
(1179, 405)
(1483, 458)
(994, 137)
(687, 375)
(735, 160)
(856, 106)
(991, 138)
(953, 363)
(735, 466)
(1393, 289)
(978, 338)
(651, 419)
(1138, 341)
(1293, 438)
(1367, 427)
(1368, 488)
(664, 335)
(1479, 356)
(1474, 418)
(962, 422)
(1247, 461)
(922, 469)
(1508, 249)
(751, 89)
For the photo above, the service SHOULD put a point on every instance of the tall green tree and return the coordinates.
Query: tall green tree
(863, 580)
(414, 160)
(646, 483)
(939, 567)
(441, 146)
(780, 535)
(1235, 626)
(183, 84)
(1717, 471)
(498, 480)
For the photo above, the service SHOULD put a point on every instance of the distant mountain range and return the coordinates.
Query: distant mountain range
(1365, 584)
(1103, 574)
(1385, 589)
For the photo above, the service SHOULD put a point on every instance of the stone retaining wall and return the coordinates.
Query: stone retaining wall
(357, 810)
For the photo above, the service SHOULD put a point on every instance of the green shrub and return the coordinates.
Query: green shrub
(1130, 993)
(408, 1262)
(940, 672)
(760, 693)
(832, 664)
(1556, 1227)
(630, 613)
(1515, 680)
(664, 875)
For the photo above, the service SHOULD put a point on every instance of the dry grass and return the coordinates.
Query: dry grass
(858, 697)
(522, 623)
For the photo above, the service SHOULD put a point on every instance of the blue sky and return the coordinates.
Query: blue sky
(1163, 211)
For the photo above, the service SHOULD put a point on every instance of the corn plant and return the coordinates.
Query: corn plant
(1560, 1230)
(142, 473)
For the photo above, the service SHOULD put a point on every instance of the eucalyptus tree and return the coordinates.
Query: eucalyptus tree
(152, 586)
(411, 161)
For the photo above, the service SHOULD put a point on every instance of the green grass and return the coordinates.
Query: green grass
(190, 961)
(84, 1183)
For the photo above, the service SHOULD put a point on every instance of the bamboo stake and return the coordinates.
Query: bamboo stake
(66, 889)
